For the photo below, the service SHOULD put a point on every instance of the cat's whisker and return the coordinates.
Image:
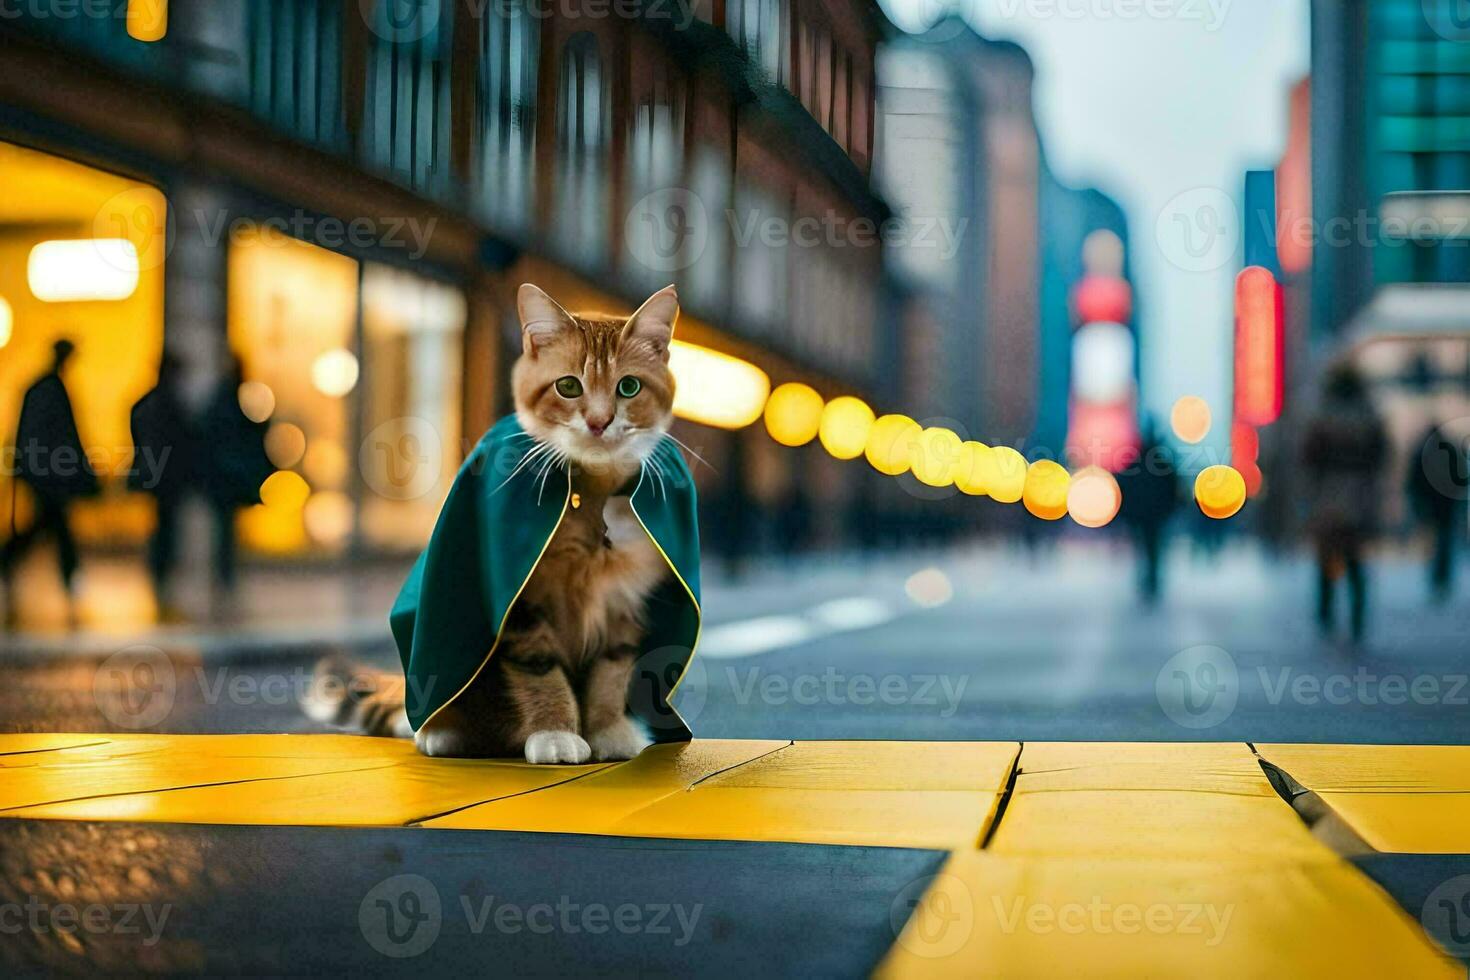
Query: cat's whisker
(542, 451)
(685, 446)
(541, 447)
(557, 461)
(658, 472)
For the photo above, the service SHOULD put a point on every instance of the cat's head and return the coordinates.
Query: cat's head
(596, 387)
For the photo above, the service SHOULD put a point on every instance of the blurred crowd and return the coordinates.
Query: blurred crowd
(217, 454)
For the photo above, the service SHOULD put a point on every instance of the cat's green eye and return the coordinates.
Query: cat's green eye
(568, 387)
(629, 386)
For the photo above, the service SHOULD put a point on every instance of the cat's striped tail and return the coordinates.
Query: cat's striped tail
(357, 699)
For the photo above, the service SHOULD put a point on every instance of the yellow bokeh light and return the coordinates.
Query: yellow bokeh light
(79, 270)
(845, 426)
(257, 400)
(1003, 471)
(935, 457)
(334, 372)
(7, 321)
(285, 444)
(891, 444)
(271, 530)
(1045, 490)
(328, 517)
(284, 491)
(1190, 419)
(147, 20)
(969, 472)
(714, 388)
(793, 414)
(1220, 492)
(1094, 498)
(929, 588)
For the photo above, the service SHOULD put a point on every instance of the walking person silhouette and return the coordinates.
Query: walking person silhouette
(51, 463)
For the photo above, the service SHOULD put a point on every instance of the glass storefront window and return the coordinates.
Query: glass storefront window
(82, 258)
(293, 324)
(413, 343)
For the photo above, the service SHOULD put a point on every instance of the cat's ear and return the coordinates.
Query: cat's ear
(653, 324)
(542, 318)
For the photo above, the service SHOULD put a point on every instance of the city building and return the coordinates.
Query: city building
(959, 159)
(1388, 236)
(345, 197)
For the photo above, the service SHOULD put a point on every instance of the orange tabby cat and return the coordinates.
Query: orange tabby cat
(597, 392)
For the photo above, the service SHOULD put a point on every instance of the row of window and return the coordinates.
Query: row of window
(303, 64)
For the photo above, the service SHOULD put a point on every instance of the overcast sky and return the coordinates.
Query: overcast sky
(1149, 108)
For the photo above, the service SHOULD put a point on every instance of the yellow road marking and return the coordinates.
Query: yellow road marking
(1410, 799)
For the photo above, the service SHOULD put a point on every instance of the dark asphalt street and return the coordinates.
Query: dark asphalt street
(989, 644)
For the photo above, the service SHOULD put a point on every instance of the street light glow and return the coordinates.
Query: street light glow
(969, 474)
(78, 270)
(935, 456)
(1220, 492)
(334, 372)
(793, 414)
(1045, 490)
(147, 20)
(891, 444)
(1094, 498)
(257, 400)
(713, 388)
(1190, 419)
(845, 426)
(1003, 471)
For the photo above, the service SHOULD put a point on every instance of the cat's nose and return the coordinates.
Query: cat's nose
(598, 424)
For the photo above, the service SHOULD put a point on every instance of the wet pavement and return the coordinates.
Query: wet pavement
(119, 897)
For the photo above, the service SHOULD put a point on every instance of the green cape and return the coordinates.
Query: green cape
(496, 522)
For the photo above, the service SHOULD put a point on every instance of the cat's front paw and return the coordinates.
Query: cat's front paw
(553, 748)
(618, 741)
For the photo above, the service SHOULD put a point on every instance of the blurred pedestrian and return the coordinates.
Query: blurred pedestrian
(1343, 455)
(1150, 496)
(235, 465)
(50, 461)
(165, 465)
(1437, 486)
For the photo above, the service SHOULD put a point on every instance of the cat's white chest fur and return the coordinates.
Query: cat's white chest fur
(631, 568)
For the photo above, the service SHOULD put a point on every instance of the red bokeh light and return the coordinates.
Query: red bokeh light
(1259, 346)
(1103, 299)
(1245, 444)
